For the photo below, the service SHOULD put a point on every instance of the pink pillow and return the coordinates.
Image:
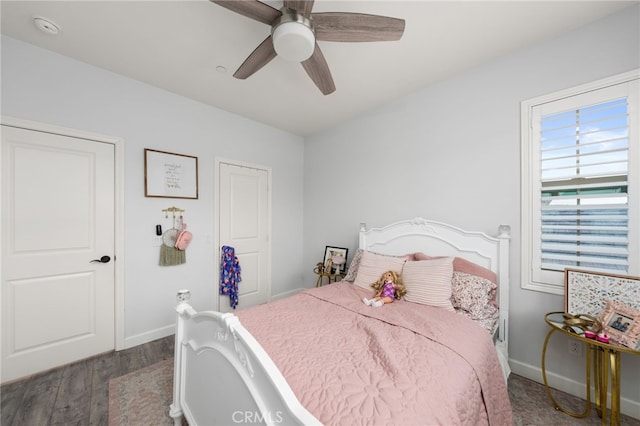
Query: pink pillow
(465, 266)
(429, 282)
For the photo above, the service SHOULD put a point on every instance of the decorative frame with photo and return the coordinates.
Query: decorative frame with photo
(328, 266)
(170, 175)
(585, 292)
(621, 323)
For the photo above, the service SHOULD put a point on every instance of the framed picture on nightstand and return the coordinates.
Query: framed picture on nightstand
(335, 260)
(622, 323)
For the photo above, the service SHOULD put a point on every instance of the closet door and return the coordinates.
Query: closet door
(57, 250)
(244, 224)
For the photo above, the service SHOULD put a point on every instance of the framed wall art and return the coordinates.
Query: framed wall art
(585, 292)
(170, 175)
(335, 260)
(621, 323)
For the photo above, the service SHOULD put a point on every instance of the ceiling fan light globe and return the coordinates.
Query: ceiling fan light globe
(293, 41)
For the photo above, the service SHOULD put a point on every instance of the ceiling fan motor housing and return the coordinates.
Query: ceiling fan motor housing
(293, 36)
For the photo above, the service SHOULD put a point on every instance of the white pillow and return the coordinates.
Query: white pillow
(373, 265)
(429, 282)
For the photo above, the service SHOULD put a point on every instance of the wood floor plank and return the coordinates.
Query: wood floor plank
(105, 368)
(133, 359)
(39, 399)
(159, 350)
(74, 395)
(12, 394)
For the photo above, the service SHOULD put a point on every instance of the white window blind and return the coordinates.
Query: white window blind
(584, 199)
(581, 182)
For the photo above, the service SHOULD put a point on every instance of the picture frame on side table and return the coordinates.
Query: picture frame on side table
(621, 323)
(586, 292)
(335, 260)
(170, 175)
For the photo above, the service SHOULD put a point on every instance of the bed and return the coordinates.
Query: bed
(324, 357)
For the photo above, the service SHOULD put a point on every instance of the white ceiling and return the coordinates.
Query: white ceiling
(178, 46)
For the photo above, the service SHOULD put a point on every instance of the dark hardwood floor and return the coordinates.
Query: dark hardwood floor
(78, 393)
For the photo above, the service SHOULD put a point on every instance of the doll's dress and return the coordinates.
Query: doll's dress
(388, 290)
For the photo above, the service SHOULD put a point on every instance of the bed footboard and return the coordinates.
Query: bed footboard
(223, 376)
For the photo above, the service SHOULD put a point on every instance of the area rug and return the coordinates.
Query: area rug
(142, 397)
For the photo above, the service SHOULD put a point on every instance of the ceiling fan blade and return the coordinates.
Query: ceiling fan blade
(261, 56)
(302, 6)
(317, 68)
(253, 9)
(350, 27)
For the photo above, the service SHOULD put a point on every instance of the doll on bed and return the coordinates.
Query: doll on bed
(388, 288)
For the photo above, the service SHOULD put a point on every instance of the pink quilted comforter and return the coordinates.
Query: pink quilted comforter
(401, 364)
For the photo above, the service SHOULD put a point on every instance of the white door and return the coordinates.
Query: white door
(57, 217)
(243, 223)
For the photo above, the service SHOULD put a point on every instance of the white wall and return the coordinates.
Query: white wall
(42, 86)
(452, 153)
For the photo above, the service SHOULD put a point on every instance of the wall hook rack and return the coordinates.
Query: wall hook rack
(173, 211)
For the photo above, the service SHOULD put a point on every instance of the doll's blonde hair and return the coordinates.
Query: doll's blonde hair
(397, 279)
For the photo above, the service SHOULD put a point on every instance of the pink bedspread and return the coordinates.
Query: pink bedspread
(401, 364)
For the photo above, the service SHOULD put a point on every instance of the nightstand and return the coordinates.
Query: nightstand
(606, 361)
(320, 272)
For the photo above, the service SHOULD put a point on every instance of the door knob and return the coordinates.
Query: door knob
(103, 259)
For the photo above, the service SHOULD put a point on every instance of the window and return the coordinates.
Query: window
(581, 182)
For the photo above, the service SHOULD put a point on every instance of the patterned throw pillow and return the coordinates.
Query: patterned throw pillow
(353, 267)
(473, 294)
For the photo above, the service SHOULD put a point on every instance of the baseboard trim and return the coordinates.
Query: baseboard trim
(287, 293)
(628, 406)
(140, 339)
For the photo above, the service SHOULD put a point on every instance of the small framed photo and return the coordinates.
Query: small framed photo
(335, 260)
(621, 323)
(170, 175)
(585, 292)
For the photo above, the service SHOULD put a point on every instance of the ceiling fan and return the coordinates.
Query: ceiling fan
(295, 32)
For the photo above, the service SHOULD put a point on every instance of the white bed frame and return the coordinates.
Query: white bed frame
(439, 239)
(223, 376)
